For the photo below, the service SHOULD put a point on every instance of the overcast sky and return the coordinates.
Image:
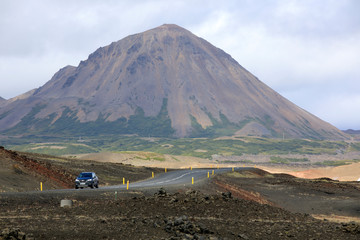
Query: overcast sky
(307, 50)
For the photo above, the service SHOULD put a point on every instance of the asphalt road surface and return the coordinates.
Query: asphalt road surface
(173, 178)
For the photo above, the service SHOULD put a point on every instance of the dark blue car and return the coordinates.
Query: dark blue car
(87, 179)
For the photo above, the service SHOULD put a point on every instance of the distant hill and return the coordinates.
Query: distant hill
(355, 134)
(163, 82)
(351, 131)
(22, 96)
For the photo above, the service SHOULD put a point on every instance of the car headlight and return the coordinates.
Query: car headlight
(77, 180)
(89, 180)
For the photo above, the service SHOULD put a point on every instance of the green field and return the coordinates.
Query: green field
(198, 147)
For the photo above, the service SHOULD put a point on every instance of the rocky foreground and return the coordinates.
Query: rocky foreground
(181, 215)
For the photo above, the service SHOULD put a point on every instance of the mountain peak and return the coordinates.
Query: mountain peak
(171, 27)
(168, 29)
(162, 82)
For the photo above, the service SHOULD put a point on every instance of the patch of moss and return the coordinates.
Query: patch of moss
(222, 127)
(158, 126)
(355, 146)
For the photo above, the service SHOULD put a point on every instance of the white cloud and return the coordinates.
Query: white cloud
(340, 110)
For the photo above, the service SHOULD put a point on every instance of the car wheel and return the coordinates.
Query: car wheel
(92, 185)
(76, 187)
(97, 185)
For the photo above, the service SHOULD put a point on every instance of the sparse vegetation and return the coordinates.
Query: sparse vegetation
(337, 163)
(278, 159)
(68, 125)
(240, 161)
(148, 156)
(355, 146)
(184, 146)
(56, 148)
(222, 127)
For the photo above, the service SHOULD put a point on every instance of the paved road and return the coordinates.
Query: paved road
(173, 178)
(176, 178)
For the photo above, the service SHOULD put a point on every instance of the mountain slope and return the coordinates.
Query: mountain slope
(162, 82)
(2, 101)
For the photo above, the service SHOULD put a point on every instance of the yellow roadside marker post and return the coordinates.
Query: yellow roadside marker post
(212, 172)
(191, 168)
(152, 175)
(165, 170)
(192, 180)
(232, 169)
(127, 185)
(208, 174)
(41, 186)
(123, 181)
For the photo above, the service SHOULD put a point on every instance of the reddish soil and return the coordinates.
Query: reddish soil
(56, 174)
(21, 171)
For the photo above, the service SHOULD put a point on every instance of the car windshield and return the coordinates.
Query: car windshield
(85, 175)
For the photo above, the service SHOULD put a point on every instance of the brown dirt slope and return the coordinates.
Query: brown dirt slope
(24, 171)
(19, 173)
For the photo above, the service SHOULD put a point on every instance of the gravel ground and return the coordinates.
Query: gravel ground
(188, 214)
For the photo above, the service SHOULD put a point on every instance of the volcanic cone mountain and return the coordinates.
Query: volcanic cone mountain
(162, 82)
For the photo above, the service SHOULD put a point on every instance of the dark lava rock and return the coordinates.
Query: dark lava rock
(161, 193)
(14, 234)
(226, 195)
(351, 228)
(185, 228)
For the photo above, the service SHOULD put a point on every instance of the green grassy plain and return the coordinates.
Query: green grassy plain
(197, 147)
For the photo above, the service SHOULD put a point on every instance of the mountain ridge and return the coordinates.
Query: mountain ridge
(170, 78)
